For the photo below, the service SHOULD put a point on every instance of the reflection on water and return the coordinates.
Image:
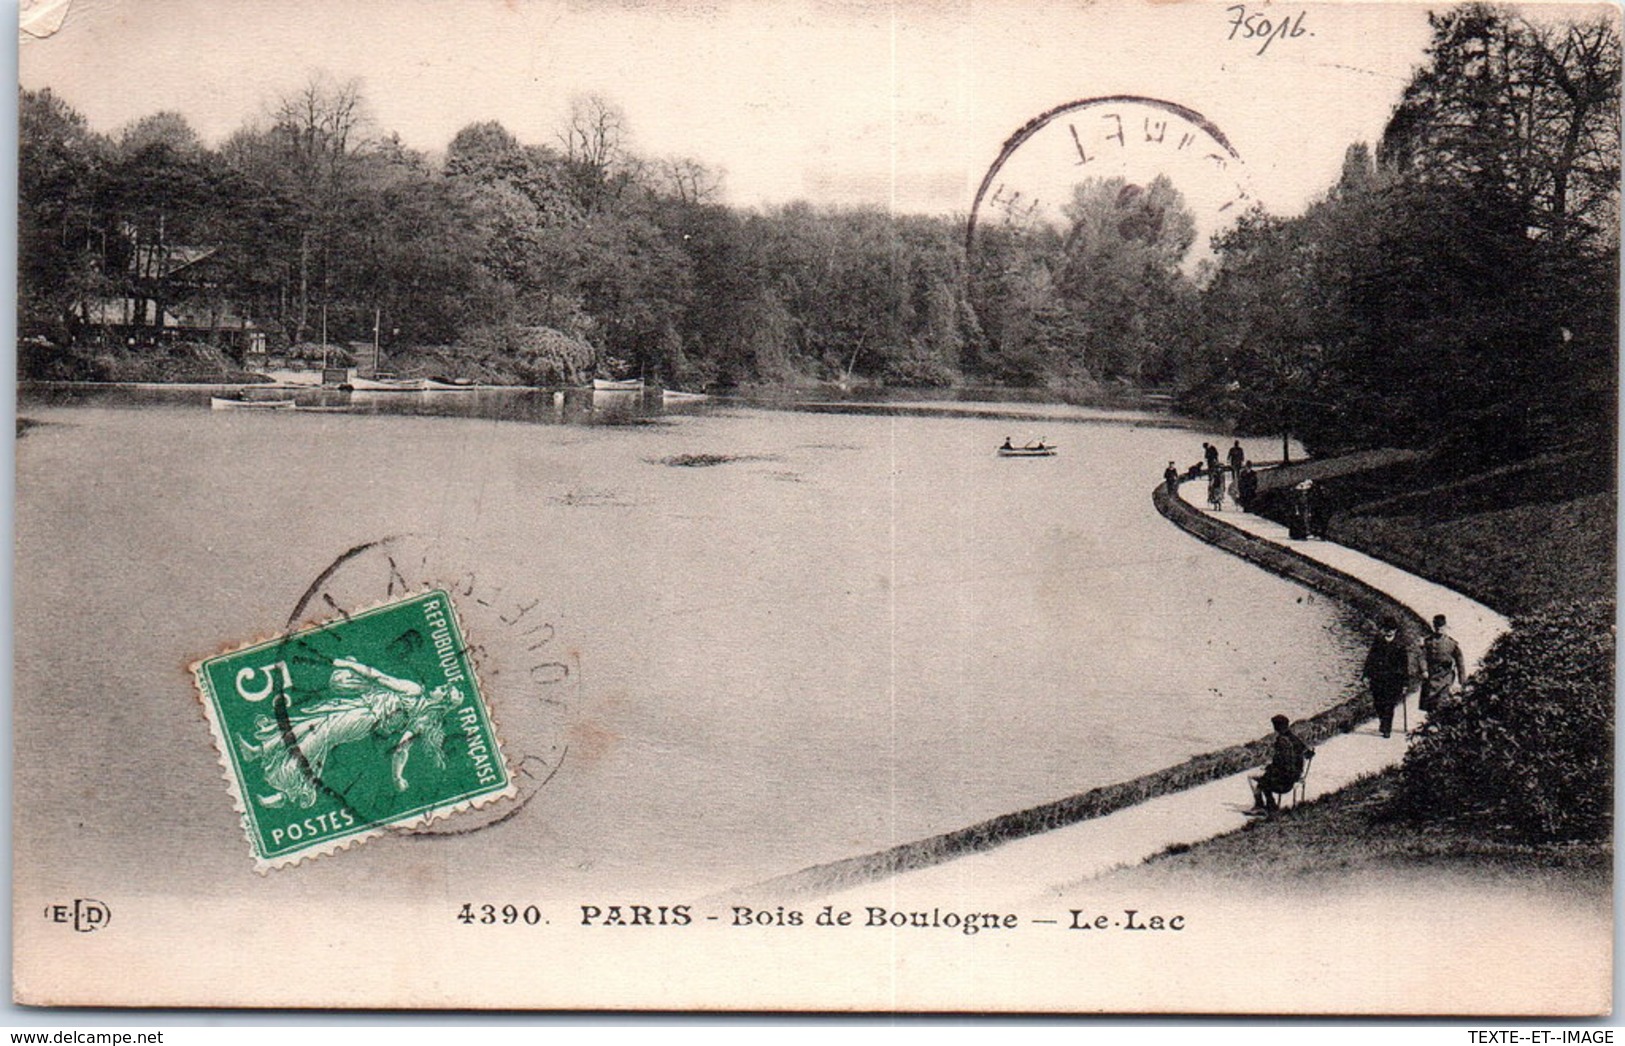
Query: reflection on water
(572, 406)
(586, 406)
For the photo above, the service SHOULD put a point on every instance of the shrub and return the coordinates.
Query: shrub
(181, 361)
(1527, 747)
(918, 367)
(43, 361)
(538, 355)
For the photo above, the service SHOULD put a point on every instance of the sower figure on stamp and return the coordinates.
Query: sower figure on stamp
(369, 703)
(1444, 665)
(1391, 669)
(1287, 758)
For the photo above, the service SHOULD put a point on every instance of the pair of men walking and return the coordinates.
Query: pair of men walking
(1395, 666)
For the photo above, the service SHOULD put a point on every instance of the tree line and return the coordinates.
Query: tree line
(1457, 284)
(316, 225)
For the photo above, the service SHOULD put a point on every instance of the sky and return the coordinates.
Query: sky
(902, 105)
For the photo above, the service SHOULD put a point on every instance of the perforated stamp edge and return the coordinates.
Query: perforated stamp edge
(207, 698)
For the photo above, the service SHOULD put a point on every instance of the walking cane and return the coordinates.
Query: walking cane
(1405, 712)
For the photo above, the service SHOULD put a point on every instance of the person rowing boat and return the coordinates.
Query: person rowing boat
(1033, 448)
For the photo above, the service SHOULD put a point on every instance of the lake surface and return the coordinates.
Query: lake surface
(857, 631)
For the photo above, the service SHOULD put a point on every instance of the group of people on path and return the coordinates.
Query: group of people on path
(1394, 667)
(1242, 482)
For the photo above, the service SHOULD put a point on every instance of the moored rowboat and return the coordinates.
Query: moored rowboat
(387, 384)
(629, 385)
(226, 403)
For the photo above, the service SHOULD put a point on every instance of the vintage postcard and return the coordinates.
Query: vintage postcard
(1014, 507)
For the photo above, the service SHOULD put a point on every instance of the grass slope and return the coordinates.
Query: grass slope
(1513, 559)
(1350, 833)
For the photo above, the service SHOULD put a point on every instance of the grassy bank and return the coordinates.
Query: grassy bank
(1515, 537)
(1514, 559)
(179, 363)
(1350, 833)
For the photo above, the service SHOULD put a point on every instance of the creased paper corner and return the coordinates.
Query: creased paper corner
(42, 18)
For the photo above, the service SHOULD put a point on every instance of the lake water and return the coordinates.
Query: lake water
(858, 631)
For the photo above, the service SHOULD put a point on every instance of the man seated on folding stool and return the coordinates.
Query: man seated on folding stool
(1287, 761)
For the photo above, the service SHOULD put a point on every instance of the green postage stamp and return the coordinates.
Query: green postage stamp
(350, 729)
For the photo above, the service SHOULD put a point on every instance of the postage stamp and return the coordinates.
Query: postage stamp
(370, 723)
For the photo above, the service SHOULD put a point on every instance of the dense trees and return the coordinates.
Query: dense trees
(1456, 286)
(1120, 275)
(58, 160)
(1460, 288)
(1103, 299)
(1520, 110)
(313, 220)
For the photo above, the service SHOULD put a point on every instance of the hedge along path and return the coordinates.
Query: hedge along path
(1046, 851)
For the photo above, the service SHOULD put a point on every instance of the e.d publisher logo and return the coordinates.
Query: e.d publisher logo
(84, 914)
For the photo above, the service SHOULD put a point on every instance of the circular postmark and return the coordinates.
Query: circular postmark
(1034, 179)
(1119, 161)
(528, 676)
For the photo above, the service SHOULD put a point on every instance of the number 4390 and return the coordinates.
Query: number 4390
(507, 914)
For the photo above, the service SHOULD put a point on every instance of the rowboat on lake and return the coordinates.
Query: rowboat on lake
(1031, 450)
(226, 403)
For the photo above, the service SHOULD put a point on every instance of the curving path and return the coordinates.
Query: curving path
(1060, 864)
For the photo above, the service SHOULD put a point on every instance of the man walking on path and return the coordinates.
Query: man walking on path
(1246, 487)
(1170, 476)
(1390, 669)
(1287, 759)
(1238, 458)
(1444, 665)
(1210, 457)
